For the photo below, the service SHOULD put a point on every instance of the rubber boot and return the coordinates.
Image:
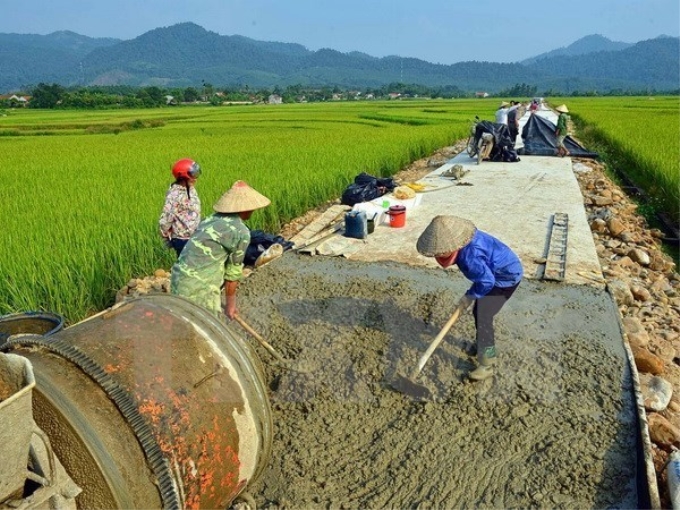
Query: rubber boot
(471, 349)
(486, 362)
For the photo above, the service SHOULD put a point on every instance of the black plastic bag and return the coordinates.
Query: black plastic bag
(539, 139)
(366, 188)
(510, 155)
(501, 138)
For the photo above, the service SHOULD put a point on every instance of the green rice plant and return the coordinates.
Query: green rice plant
(639, 136)
(81, 206)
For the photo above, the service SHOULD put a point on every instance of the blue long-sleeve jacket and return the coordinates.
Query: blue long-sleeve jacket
(488, 263)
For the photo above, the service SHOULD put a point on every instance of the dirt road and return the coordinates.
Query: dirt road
(556, 427)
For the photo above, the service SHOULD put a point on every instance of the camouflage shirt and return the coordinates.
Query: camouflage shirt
(214, 253)
(562, 123)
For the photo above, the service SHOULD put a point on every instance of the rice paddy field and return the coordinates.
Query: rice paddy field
(639, 136)
(82, 190)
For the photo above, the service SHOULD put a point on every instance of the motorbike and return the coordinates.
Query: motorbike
(490, 141)
(480, 142)
(471, 143)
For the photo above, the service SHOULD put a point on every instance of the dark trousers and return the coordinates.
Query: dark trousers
(178, 244)
(484, 311)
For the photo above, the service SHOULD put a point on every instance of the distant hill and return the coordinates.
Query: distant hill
(654, 64)
(186, 54)
(585, 45)
(29, 58)
(75, 44)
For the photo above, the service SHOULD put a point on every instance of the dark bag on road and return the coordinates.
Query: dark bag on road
(510, 155)
(366, 188)
(501, 138)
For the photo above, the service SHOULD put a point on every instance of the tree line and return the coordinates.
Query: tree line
(101, 97)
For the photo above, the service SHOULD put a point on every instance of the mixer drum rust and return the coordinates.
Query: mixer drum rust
(152, 403)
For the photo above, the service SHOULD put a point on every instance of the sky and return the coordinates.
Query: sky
(437, 31)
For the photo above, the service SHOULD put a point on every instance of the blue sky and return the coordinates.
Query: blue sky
(438, 31)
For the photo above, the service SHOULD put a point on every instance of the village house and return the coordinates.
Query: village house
(15, 101)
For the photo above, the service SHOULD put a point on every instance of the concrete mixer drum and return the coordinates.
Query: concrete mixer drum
(154, 403)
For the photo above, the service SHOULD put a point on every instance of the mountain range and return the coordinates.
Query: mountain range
(585, 45)
(186, 55)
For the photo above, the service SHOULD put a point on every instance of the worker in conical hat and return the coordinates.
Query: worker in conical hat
(502, 113)
(213, 256)
(494, 269)
(561, 129)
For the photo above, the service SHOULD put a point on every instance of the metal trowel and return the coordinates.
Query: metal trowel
(407, 385)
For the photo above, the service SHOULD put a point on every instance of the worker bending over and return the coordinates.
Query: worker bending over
(494, 269)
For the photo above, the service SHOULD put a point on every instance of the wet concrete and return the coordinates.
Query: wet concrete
(557, 426)
(554, 428)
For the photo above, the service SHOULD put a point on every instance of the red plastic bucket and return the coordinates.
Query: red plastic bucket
(397, 216)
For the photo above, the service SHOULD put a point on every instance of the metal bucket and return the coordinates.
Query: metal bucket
(16, 384)
(35, 323)
(154, 403)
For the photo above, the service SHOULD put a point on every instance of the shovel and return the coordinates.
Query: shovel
(283, 361)
(407, 385)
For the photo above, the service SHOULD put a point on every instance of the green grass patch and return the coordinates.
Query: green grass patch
(639, 136)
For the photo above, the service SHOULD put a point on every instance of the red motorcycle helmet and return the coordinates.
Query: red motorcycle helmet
(186, 169)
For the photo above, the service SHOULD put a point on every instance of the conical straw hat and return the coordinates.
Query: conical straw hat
(504, 103)
(562, 108)
(444, 235)
(240, 198)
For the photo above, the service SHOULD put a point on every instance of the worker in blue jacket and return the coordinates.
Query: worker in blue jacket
(494, 270)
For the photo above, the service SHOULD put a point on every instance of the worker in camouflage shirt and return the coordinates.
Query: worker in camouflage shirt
(561, 129)
(213, 257)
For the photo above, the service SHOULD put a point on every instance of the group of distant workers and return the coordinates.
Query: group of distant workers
(510, 113)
